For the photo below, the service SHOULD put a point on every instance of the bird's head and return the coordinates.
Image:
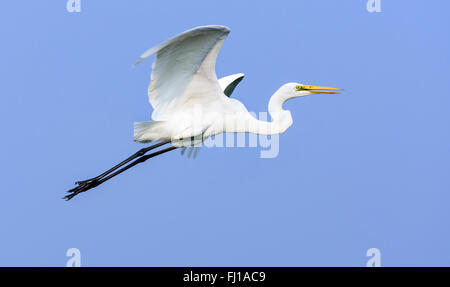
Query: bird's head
(294, 90)
(299, 90)
(290, 91)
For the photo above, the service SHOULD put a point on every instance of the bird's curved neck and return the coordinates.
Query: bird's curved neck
(281, 119)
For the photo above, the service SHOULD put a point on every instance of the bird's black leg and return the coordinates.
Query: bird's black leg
(139, 153)
(91, 184)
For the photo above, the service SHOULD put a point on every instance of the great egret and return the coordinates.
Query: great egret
(183, 80)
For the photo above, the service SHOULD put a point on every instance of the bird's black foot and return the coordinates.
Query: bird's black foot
(84, 182)
(82, 187)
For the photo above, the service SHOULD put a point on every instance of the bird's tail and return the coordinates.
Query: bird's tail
(148, 131)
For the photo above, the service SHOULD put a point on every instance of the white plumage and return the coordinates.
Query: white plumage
(189, 101)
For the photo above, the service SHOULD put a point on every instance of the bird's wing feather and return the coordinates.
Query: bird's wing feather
(229, 83)
(184, 69)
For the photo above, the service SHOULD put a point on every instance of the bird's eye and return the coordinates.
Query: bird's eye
(299, 88)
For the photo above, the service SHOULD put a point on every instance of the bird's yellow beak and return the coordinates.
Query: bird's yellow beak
(318, 89)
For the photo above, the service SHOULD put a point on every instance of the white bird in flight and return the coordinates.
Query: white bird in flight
(190, 104)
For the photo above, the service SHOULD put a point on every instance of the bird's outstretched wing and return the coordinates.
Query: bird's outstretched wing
(184, 70)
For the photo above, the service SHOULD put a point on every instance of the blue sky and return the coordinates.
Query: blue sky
(365, 169)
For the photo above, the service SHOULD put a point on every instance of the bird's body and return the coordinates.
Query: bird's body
(191, 104)
(202, 120)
